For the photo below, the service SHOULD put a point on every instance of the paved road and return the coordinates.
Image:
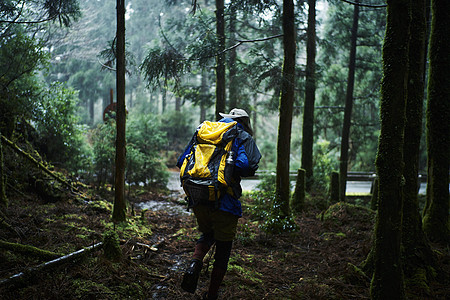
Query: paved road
(353, 187)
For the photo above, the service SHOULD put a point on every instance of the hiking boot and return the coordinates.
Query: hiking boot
(190, 277)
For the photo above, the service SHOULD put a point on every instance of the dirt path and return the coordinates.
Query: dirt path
(315, 262)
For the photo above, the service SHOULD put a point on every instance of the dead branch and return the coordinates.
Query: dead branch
(34, 271)
(37, 163)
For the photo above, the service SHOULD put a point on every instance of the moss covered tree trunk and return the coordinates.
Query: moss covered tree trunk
(310, 98)
(334, 188)
(343, 163)
(220, 59)
(119, 209)
(298, 198)
(417, 254)
(286, 106)
(436, 216)
(387, 280)
(3, 199)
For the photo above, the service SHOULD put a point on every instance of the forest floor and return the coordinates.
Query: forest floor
(315, 262)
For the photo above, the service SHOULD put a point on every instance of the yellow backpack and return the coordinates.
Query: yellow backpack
(206, 172)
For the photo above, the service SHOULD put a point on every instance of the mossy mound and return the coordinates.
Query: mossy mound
(342, 214)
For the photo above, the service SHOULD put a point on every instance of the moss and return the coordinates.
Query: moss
(418, 282)
(331, 235)
(134, 228)
(101, 206)
(339, 213)
(131, 291)
(111, 247)
(356, 275)
(253, 276)
(87, 289)
(29, 250)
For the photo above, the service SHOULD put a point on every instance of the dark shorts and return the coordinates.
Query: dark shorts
(222, 223)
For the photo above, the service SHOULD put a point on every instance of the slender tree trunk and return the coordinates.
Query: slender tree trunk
(220, 60)
(254, 116)
(417, 254)
(119, 209)
(178, 104)
(164, 100)
(343, 164)
(436, 217)
(310, 97)
(3, 198)
(204, 95)
(91, 110)
(387, 281)
(286, 107)
(232, 81)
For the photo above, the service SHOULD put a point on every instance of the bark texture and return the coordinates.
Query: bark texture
(286, 107)
(387, 281)
(436, 216)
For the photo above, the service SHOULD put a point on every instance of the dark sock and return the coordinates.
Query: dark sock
(200, 251)
(217, 276)
(222, 256)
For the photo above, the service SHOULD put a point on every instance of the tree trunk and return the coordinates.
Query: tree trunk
(232, 81)
(298, 198)
(204, 96)
(387, 280)
(177, 103)
(119, 209)
(436, 217)
(220, 59)
(254, 117)
(91, 110)
(286, 107)
(343, 164)
(417, 254)
(3, 198)
(310, 91)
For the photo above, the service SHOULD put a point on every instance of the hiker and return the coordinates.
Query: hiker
(217, 221)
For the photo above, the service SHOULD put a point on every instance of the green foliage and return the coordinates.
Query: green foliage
(103, 137)
(325, 161)
(60, 137)
(267, 183)
(164, 63)
(269, 214)
(332, 66)
(145, 140)
(178, 129)
(20, 56)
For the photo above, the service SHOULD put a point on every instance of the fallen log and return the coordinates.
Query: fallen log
(33, 272)
(38, 163)
(28, 250)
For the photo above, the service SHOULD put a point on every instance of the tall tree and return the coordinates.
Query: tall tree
(3, 198)
(220, 59)
(286, 107)
(119, 209)
(343, 163)
(387, 281)
(436, 216)
(417, 254)
(232, 57)
(310, 96)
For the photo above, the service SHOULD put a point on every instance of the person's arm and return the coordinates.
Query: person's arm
(248, 163)
(247, 158)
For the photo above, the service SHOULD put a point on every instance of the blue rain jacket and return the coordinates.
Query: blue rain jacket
(246, 164)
